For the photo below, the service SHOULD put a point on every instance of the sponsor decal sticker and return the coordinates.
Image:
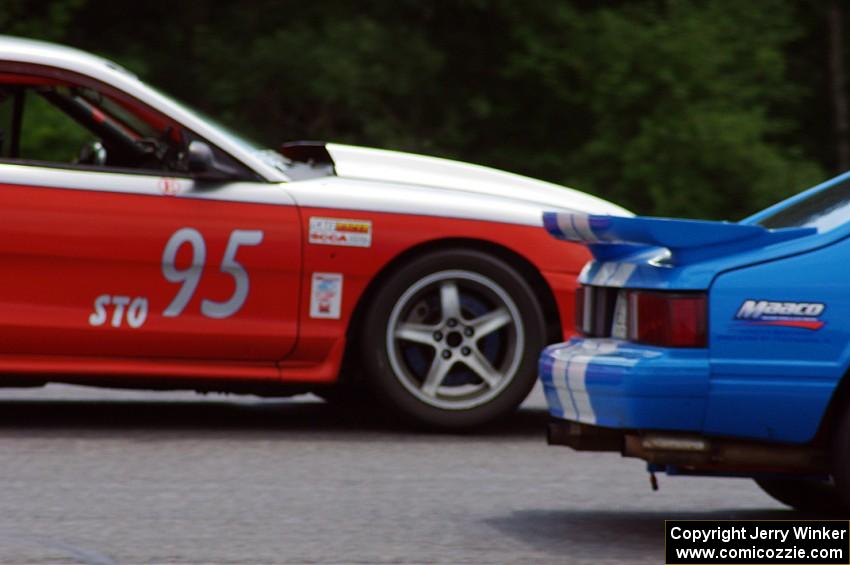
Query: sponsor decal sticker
(346, 233)
(805, 315)
(326, 295)
(170, 186)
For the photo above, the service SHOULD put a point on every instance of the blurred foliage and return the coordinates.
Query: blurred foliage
(672, 107)
(49, 134)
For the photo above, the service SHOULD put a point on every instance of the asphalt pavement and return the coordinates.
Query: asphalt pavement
(109, 477)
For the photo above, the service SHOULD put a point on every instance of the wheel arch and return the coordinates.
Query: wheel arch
(528, 270)
(839, 401)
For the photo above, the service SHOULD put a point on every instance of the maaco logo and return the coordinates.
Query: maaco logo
(805, 315)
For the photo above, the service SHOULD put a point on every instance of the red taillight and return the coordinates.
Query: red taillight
(667, 319)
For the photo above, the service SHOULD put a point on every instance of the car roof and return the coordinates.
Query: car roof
(35, 51)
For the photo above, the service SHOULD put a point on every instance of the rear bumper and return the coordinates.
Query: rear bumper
(650, 403)
(621, 385)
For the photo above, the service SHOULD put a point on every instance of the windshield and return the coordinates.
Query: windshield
(223, 130)
(269, 156)
(825, 209)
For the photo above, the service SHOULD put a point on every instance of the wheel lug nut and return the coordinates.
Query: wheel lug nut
(446, 353)
(451, 323)
(468, 332)
(465, 350)
(438, 336)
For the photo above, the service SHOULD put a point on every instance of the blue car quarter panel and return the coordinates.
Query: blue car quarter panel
(779, 334)
(778, 323)
(617, 384)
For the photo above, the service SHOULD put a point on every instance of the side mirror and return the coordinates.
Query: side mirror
(203, 164)
(201, 159)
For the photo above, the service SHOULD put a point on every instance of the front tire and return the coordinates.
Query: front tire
(453, 338)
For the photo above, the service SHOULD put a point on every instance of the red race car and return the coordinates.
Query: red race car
(144, 246)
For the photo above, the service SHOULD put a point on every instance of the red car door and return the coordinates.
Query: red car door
(106, 261)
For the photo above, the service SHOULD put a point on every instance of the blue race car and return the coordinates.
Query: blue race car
(714, 348)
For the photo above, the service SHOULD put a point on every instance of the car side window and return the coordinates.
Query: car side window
(53, 117)
(51, 121)
(46, 133)
(57, 118)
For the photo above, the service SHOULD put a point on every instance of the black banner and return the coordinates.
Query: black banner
(757, 542)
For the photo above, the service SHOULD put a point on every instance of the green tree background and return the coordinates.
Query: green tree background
(710, 108)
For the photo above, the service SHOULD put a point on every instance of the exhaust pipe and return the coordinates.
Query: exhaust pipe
(696, 452)
(583, 437)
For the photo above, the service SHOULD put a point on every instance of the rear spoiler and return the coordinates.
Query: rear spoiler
(689, 241)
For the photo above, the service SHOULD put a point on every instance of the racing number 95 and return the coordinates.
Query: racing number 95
(136, 309)
(191, 276)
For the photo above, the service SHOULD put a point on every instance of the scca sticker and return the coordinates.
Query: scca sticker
(805, 315)
(346, 233)
(326, 295)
